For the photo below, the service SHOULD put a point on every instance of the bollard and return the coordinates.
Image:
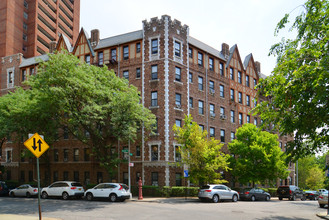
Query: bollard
(140, 191)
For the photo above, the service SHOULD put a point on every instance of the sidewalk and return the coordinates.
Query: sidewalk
(323, 215)
(23, 217)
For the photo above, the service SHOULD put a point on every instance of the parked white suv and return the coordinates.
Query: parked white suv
(113, 191)
(64, 189)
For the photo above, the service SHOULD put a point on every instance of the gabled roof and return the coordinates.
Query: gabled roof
(67, 43)
(246, 61)
(34, 60)
(87, 39)
(232, 49)
(120, 39)
(205, 47)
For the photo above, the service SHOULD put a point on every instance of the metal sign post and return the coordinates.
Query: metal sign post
(327, 166)
(37, 146)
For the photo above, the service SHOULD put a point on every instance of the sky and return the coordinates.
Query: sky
(248, 23)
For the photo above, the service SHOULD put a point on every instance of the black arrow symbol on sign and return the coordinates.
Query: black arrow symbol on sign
(39, 142)
(34, 147)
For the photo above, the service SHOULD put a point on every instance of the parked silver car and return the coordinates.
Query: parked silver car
(217, 192)
(323, 199)
(113, 191)
(24, 190)
(64, 189)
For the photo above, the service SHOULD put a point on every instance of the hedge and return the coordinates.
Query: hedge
(166, 191)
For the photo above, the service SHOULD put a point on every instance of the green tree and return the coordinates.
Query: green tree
(84, 99)
(203, 156)
(297, 89)
(304, 166)
(257, 157)
(316, 178)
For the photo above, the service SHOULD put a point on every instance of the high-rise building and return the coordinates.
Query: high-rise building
(29, 26)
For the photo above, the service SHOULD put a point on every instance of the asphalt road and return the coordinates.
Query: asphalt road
(155, 209)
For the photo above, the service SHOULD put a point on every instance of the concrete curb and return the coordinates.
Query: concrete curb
(23, 217)
(323, 215)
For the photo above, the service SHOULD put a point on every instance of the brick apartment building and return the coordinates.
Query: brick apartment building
(176, 75)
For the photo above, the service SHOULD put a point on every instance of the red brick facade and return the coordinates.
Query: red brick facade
(179, 62)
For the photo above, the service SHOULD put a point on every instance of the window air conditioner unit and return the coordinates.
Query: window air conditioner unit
(212, 115)
(178, 106)
(222, 116)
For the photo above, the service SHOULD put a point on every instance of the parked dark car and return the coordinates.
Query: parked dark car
(290, 192)
(254, 194)
(4, 191)
(312, 195)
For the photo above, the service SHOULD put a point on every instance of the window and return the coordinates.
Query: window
(154, 72)
(178, 74)
(212, 110)
(222, 135)
(232, 94)
(177, 49)
(154, 153)
(211, 87)
(201, 107)
(222, 111)
(65, 175)
(155, 126)
(24, 26)
(66, 133)
(25, 4)
(200, 59)
(154, 178)
(125, 178)
(76, 154)
(22, 156)
(24, 37)
(178, 123)
(255, 102)
(154, 46)
(221, 69)
(154, 98)
(231, 73)
(201, 127)
(32, 71)
(125, 52)
(87, 178)
(211, 63)
(86, 154)
(232, 135)
(66, 155)
(248, 118)
(255, 83)
(99, 177)
(76, 176)
(247, 81)
(24, 75)
(87, 59)
(191, 102)
(240, 119)
(232, 116)
(240, 97)
(138, 151)
(178, 156)
(10, 77)
(239, 77)
(126, 74)
(113, 54)
(178, 179)
(22, 178)
(25, 15)
(138, 73)
(212, 132)
(200, 83)
(138, 47)
(255, 121)
(178, 99)
(190, 77)
(30, 176)
(100, 58)
(190, 52)
(221, 91)
(247, 100)
(56, 155)
(9, 156)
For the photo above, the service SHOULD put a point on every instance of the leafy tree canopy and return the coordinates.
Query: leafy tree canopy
(298, 89)
(203, 156)
(257, 156)
(84, 99)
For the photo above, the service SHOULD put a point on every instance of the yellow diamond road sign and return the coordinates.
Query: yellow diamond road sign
(36, 145)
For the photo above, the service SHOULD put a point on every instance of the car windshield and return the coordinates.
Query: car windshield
(76, 184)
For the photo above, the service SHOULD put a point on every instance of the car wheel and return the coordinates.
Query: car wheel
(65, 195)
(293, 198)
(235, 198)
(267, 198)
(253, 198)
(215, 199)
(280, 198)
(303, 198)
(89, 196)
(122, 200)
(44, 195)
(28, 195)
(12, 194)
(113, 197)
(321, 205)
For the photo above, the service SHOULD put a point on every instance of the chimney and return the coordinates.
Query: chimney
(52, 46)
(94, 38)
(225, 50)
(257, 64)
